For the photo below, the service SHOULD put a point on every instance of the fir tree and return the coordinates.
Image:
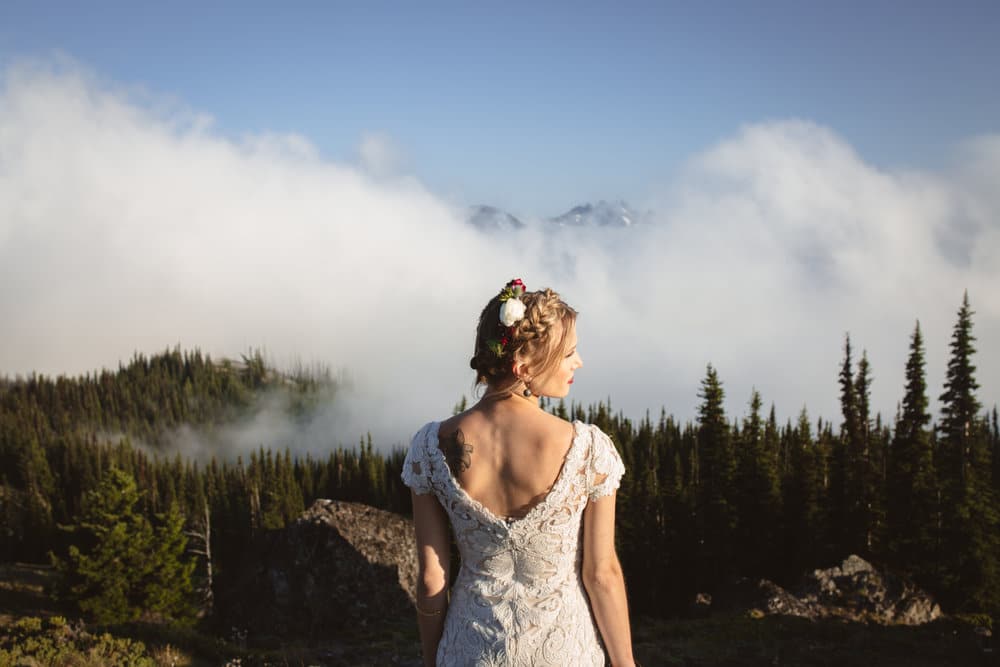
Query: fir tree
(969, 540)
(864, 460)
(848, 526)
(802, 499)
(756, 492)
(118, 568)
(911, 492)
(109, 562)
(168, 591)
(715, 471)
(959, 405)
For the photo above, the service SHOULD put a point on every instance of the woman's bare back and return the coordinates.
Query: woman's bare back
(506, 454)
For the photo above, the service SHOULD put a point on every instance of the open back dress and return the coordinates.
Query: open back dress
(519, 598)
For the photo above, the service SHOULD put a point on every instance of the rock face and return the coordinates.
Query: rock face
(855, 591)
(340, 567)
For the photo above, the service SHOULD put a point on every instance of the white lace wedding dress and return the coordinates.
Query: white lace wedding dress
(519, 597)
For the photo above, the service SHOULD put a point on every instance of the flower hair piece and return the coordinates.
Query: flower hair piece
(511, 312)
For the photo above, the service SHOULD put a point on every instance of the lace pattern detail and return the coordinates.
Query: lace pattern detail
(415, 464)
(606, 467)
(519, 597)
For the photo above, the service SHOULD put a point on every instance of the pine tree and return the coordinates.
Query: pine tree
(865, 460)
(756, 493)
(39, 488)
(802, 499)
(960, 407)
(118, 568)
(105, 577)
(911, 492)
(969, 538)
(848, 527)
(168, 591)
(715, 472)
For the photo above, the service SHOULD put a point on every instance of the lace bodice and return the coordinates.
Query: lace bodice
(519, 597)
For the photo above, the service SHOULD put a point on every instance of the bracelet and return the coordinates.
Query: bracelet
(433, 613)
(427, 613)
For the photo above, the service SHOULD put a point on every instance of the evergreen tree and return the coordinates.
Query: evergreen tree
(802, 499)
(864, 460)
(118, 568)
(959, 405)
(109, 562)
(911, 492)
(168, 591)
(969, 538)
(715, 516)
(848, 529)
(39, 488)
(756, 493)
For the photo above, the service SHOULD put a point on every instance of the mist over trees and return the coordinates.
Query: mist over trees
(703, 502)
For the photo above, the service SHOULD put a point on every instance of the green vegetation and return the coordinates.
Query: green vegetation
(130, 569)
(30, 641)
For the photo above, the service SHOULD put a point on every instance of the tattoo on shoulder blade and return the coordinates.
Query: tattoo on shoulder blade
(457, 452)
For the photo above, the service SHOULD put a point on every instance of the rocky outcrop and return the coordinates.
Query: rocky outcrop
(339, 568)
(856, 591)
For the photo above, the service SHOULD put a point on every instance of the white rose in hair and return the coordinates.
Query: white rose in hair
(511, 311)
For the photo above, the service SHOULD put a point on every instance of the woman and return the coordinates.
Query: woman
(531, 500)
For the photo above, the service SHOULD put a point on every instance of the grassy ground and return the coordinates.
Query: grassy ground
(35, 631)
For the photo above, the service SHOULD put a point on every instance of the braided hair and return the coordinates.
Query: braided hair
(537, 339)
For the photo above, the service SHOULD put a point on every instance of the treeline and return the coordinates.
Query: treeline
(702, 504)
(61, 438)
(707, 503)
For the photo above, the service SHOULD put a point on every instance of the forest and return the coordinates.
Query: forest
(704, 502)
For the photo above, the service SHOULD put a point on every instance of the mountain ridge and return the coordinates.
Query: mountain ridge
(603, 213)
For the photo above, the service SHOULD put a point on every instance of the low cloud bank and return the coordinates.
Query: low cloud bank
(129, 224)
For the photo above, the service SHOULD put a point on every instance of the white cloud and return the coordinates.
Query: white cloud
(379, 154)
(127, 224)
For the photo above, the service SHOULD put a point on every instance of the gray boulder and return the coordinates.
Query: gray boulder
(855, 591)
(339, 568)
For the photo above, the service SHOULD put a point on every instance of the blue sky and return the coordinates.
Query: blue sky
(538, 106)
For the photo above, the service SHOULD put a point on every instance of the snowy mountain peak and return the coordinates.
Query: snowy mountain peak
(601, 214)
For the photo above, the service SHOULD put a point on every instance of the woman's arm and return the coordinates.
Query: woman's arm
(602, 576)
(433, 554)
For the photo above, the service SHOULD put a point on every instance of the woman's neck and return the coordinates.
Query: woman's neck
(517, 396)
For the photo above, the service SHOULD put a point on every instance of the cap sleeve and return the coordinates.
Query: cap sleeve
(606, 467)
(416, 469)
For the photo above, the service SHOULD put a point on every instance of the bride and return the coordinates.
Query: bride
(530, 499)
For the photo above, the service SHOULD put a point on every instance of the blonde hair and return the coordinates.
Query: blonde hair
(538, 340)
